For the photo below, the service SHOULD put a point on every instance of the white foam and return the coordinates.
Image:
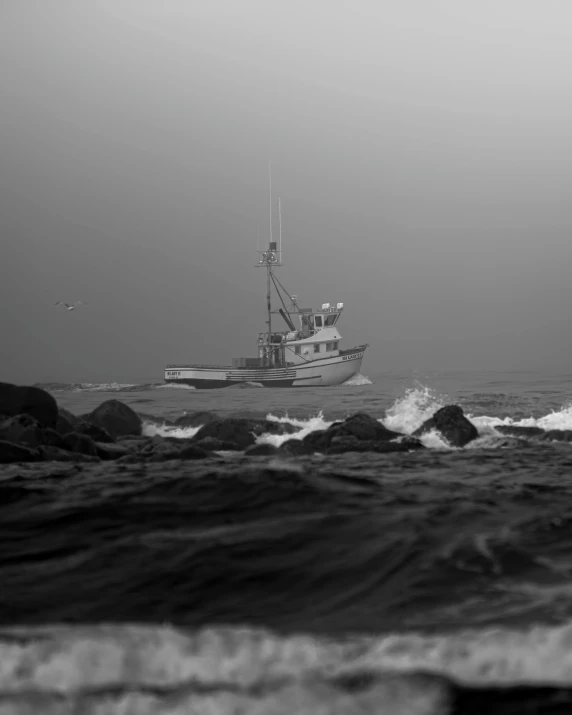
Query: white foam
(103, 387)
(410, 411)
(152, 429)
(358, 379)
(174, 386)
(557, 420)
(304, 428)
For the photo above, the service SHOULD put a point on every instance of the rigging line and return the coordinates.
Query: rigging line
(279, 294)
(284, 289)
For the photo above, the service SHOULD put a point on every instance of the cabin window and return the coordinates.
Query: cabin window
(318, 321)
(335, 345)
(297, 349)
(316, 347)
(328, 347)
(331, 319)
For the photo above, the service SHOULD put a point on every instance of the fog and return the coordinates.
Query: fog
(421, 152)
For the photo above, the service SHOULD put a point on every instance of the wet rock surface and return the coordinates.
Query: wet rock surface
(450, 422)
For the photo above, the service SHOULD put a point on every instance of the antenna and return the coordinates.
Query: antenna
(270, 197)
(280, 235)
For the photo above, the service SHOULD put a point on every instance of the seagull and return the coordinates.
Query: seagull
(71, 306)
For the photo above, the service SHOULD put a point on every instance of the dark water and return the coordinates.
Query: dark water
(354, 583)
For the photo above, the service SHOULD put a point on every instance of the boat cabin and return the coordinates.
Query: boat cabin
(317, 338)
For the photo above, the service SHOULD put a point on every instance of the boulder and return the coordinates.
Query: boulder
(25, 430)
(117, 418)
(451, 424)
(25, 400)
(517, 431)
(241, 432)
(21, 429)
(196, 419)
(261, 450)
(358, 427)
(10, 453)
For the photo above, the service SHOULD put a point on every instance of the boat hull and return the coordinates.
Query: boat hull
(317, 373)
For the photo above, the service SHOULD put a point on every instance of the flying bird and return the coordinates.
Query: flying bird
(70, 306)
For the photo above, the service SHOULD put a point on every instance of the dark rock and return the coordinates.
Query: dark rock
(10, 453)
(117, 418)
(451, 424)
(557, 435)
(108, 451)
(212, 444)
(360, 426)
(21, 429)
(24, 400)
(240, 431)
(80, 443)
(260, 450)
(67, 422)
(517, 431)
(196, 419)
(295, 447)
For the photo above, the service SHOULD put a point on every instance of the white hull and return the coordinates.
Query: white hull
(326, 372)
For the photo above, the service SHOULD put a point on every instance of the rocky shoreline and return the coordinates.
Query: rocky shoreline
(33, 428)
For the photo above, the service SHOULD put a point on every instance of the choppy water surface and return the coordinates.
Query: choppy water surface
(351, 583)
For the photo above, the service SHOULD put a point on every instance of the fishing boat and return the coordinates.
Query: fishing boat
(305, 355)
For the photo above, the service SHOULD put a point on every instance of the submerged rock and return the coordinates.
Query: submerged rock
(451, 424)
(117, 418)
(25, 400)
(241, 432)
(358, 427)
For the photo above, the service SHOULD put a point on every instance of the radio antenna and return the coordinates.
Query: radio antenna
(280, 234)
(270, 197)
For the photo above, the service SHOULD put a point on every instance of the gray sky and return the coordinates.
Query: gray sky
(421, 149)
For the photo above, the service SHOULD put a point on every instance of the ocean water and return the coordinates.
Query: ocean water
(436, 581)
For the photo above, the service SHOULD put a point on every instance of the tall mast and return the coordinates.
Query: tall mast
(269, 269)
